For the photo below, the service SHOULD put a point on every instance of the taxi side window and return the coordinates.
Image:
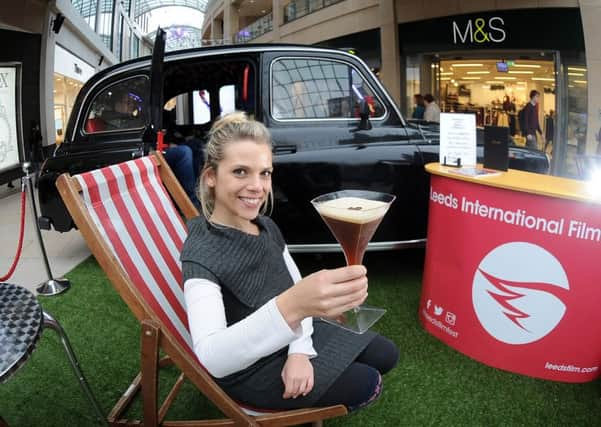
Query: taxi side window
(201, 107)
(121, 106)
(319, 89)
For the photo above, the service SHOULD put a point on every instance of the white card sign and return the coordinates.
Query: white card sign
(457, 139)
(9, 146)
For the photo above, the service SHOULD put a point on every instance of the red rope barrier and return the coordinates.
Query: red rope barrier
(20, 246)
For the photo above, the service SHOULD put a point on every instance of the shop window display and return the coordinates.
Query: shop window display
(496, 90)
(65, 92)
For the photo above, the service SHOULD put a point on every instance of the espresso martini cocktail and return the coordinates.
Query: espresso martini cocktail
(353, 221)
(353, 217)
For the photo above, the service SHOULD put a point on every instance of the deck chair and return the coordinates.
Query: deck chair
(126, 216)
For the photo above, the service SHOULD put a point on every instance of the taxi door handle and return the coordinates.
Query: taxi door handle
(284, 149)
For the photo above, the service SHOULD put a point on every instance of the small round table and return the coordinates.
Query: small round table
(20, 327)
(21, 323)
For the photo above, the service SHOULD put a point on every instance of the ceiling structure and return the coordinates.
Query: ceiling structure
(254, 8)
(183, 31)
(180, 37)
(87, 8)
(145, 6)
(165, 13)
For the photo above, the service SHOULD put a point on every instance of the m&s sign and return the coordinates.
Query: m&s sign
(480, 31)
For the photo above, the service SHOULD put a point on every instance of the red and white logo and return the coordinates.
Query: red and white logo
(517, 292)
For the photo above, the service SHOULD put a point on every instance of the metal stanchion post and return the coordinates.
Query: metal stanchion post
(51, 286)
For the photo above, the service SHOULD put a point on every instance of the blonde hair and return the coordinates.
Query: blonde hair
(230, 128)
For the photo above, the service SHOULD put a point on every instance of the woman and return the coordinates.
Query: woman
(249, 311)
(432, 111)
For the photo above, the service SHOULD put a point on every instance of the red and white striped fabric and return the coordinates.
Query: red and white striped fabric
(132, 209)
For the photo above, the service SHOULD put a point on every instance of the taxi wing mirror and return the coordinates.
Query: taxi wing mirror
(364, 123)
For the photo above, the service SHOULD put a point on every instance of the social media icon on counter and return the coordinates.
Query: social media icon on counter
(428, 304)
(438, 310)
(450, 318)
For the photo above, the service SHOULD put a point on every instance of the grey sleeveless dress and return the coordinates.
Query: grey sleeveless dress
(250, 271)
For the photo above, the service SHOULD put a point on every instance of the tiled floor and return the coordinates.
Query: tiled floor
(65, 250)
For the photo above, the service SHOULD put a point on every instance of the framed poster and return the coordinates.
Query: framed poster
(10, 117)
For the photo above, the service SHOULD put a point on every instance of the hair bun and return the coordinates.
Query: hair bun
(235, 118)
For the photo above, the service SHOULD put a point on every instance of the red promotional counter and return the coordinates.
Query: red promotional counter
(512, 275)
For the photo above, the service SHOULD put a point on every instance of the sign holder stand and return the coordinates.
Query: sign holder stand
(456, 165)
(51, 286)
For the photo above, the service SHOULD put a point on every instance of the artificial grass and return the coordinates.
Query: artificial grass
(432, 385)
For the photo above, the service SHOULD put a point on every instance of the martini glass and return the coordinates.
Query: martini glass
(353, 217)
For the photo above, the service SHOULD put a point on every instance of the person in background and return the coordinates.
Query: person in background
(549, 129)
(127, 112)
(181, 160)
(432, 111)
(510, 109)
(531, 124)
(418, 110)
(184, 156)
(250, 312)
(119, 110)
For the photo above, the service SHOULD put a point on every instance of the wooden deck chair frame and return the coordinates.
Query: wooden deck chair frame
(154, 337)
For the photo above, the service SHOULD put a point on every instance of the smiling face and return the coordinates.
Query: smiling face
(241, 183)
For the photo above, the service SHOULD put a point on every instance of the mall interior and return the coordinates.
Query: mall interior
(482, 58)
(414, 47)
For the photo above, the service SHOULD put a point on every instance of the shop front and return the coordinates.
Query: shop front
(70, 73)
(488, 63)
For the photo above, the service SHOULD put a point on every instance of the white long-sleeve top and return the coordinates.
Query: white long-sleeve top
(432, 112)
(224, 350)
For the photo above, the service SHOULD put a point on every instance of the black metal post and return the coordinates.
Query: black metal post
(51, 286)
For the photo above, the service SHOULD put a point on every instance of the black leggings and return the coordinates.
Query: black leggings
(361, 383)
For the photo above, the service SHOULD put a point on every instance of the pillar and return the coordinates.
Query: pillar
(277, 13)
(591, 16)
(390, 72)
(230, 21)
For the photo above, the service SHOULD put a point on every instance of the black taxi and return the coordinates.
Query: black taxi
(333, 125)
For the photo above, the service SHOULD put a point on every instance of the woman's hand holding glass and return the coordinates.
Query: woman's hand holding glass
(326, 293)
